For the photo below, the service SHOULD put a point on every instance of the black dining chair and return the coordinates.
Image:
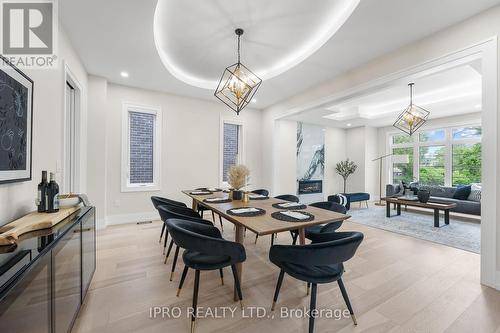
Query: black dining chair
(172, 212)
(261, 192)
(157, 201)
(317, 263)
(205, 250)
(202, 209)
(329, 227)
(288, 197)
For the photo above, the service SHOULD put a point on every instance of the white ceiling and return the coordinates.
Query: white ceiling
(118, 35)
(449, 92)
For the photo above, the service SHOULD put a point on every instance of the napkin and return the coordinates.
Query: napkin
(200, 192)
(245, 210)
(256, 196)
(290, 204)
(214, 199)
(295, 215)
(213, 189)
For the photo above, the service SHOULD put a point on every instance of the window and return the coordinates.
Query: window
(403, 171)
(140, 148)
(432, 168)
(444, 156)
(231, 147)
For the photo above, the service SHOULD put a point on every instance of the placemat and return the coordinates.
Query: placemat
(220, 200)
(282, 217)
(255, 212)
(278, 206)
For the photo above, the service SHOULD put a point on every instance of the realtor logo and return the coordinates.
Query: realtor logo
(28, 32)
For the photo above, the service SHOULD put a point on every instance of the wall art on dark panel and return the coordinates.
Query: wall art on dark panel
(16, 117)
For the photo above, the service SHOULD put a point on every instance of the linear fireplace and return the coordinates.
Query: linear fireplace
(310, 186)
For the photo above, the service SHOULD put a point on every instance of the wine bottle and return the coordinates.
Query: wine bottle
(41, 200)
(52, 195)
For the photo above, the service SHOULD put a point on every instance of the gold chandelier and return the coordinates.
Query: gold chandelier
(238, 84)
(413, 117)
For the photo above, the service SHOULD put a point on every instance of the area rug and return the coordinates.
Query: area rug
(459, 234)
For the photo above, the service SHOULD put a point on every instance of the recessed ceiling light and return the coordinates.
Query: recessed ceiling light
(478, 106)
(349, 125)
(124, 74)
(254, 100)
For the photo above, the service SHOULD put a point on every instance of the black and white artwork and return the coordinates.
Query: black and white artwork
(310, 152)
(16, 113)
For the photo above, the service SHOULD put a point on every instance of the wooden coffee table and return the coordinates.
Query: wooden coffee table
(415, 203)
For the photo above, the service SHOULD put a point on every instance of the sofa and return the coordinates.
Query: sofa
(442, 194)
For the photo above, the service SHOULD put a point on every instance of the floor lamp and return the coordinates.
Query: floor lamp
(395, 159)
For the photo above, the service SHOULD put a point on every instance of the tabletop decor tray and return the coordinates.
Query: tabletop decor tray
(246, 211)
(282, 216)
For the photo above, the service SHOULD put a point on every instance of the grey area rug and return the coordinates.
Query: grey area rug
(458, 234)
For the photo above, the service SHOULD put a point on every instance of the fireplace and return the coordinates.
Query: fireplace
(310, 186)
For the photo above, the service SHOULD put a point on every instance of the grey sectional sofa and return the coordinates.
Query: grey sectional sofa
(443, 194)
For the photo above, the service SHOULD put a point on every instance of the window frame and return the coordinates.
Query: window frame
(241, 150)
(448, 142)
(126, 186)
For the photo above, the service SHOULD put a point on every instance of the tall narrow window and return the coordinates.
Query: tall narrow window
(231, 147)
(403, 171)
(141, 151)
(432, 168)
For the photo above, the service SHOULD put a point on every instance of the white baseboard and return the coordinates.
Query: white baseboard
(131, 218)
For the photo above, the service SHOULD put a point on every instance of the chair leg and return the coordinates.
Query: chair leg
(237, 284)
(312, 306)
(169, 249)
(346, 299)
(294, 238)
(165, 241)
(221, 273)
(163, 227)
(201, 213)
(221, 225)
(308, 288)
(272, 239)
(195, 298)
(366, 202)
(181, 282)
(256, 237)
(213, 216)
(278, 287)
(174, 263)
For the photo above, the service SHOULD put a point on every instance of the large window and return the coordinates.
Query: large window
(446, 156)
(140, 148)
(231, 147)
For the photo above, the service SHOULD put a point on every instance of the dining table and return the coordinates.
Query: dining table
(263, 224)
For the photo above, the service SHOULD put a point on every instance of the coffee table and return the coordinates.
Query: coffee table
(415, 203)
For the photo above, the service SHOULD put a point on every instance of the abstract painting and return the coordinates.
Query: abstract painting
(16, 115)
(310, 152)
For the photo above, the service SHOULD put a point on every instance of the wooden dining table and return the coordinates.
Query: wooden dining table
(263, 224)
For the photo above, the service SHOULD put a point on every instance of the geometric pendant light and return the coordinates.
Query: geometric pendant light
(413, 117)
(238, 84)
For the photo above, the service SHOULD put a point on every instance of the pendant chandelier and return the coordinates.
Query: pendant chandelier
(238, 84)
(413, 117)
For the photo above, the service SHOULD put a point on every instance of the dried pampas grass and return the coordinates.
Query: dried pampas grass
(237, 176)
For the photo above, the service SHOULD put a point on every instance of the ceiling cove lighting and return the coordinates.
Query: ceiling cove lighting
(238, 84)
(413, 117)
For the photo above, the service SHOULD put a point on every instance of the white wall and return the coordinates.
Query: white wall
(47, 151)
(335, 151)
(285, 137)
(190, 147)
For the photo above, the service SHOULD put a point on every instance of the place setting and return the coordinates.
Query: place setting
(216, 200)
(293, 216)
(289, 205)
(255, 196)
(246, 211)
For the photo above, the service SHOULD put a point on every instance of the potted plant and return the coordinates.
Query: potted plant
(237, 178)
(345, 169)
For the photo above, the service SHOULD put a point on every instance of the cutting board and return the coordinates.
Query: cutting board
(10, 232)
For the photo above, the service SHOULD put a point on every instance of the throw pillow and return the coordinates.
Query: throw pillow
(462, 192)
(475, 195)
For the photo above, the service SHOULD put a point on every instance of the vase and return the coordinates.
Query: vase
(246, 197)
(237, 195)
(423, 196)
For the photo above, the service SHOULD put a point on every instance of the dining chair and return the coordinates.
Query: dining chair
(202, 209)
(172, 212)
(205, 250)
(261, 192)
(329, 227)
(157, 201)
(317, 263)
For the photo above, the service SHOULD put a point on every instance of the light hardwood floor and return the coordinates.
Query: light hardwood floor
(396, 284)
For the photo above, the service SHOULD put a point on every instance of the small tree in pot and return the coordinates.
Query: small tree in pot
(345, 169)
